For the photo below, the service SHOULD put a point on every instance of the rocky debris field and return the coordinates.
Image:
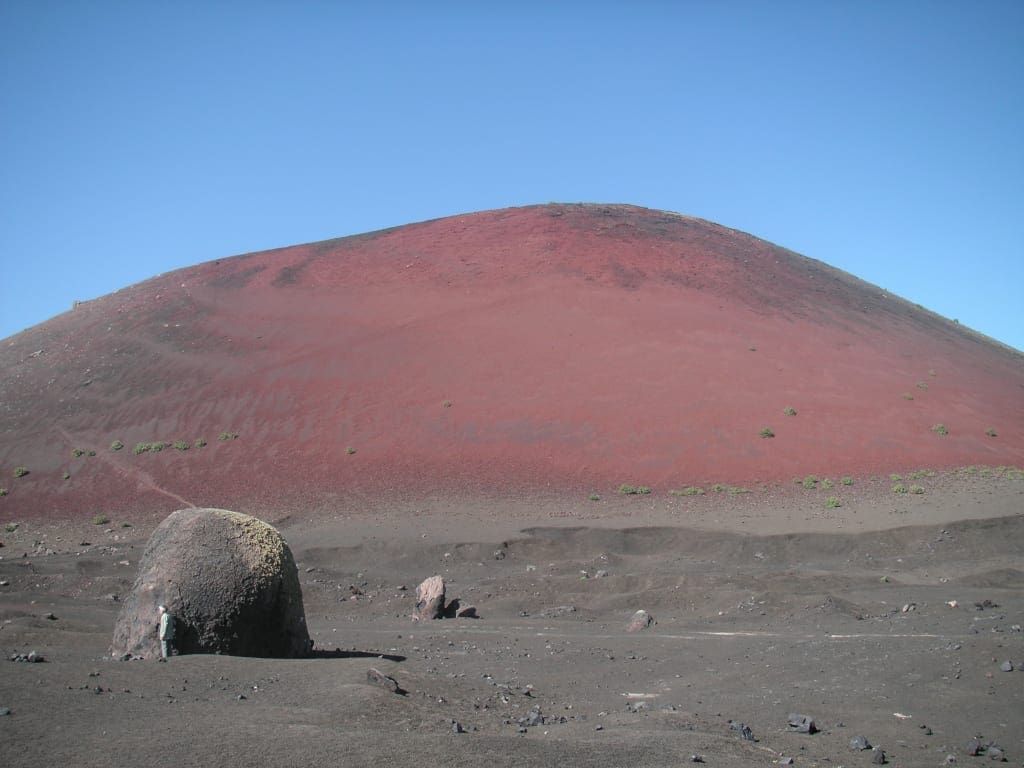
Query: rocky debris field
(590, 646)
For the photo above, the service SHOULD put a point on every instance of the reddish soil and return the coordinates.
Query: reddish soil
(559, 349)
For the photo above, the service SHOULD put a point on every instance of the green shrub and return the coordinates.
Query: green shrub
(227, 436)
(447, 404)
(350, 451)
(11, 527)
(141, 448)
(66, 476)
(631, 490)
(940, 429)
(789, 411)
(734, 491)
(181, 445)
(595, 497)
(767, 432)
(916, 489)
(117, 445)
(907, 396)
(92, 453)
(899, 488)
(77, 452)
(158, 446)
(100, 520)
(895, 478)
(688, 491)
(847, 481)
(3, 491)
(810, 482)
(826, 483)
(20, 471)
(200, 443)
(991, 432)
(717, 488)
(922, 386)
(832, 502)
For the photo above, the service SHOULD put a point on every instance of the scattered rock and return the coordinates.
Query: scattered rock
(982, 605)
(974, 748)
(859, 743)
(5, 711)
(908, 607)
(469, 612)
(878, 756)
(696, 758)
(457, 727)
(1006, 666)
(499, 554)
(532, 718)
(558, 610)
(4, 583)
(641, 620)
(995, 752)
(30, 658)
(388, 683)
(785, 761)
(802, 724)
(601, 573)
(430, 599)
(743, 730)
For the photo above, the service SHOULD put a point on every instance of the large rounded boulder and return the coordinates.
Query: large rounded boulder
(228, 579)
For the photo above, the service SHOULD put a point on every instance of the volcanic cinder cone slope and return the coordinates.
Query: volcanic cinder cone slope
(554, 348)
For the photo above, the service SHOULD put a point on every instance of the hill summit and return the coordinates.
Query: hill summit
(554, 348)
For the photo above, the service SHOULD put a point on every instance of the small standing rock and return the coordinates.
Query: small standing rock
(878, 756)
(1006, 666)
(430, 599)
(378, 678)
(641, 620)
(802, 724)
(859, 743)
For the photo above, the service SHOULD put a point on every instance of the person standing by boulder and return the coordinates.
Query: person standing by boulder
(166, 632)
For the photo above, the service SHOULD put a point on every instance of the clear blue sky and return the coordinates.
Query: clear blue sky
(884, 138)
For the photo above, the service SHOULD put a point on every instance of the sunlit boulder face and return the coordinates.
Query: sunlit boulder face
(230, 582)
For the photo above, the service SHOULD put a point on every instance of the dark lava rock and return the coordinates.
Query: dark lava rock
(802, 724)
(29, 658)
(743, 730)
(974, 747)
(533, 718)
(878, 756)
(859, 743)
(230, 582)
(4, 711)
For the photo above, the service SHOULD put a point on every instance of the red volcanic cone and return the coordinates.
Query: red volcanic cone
(557, 347)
